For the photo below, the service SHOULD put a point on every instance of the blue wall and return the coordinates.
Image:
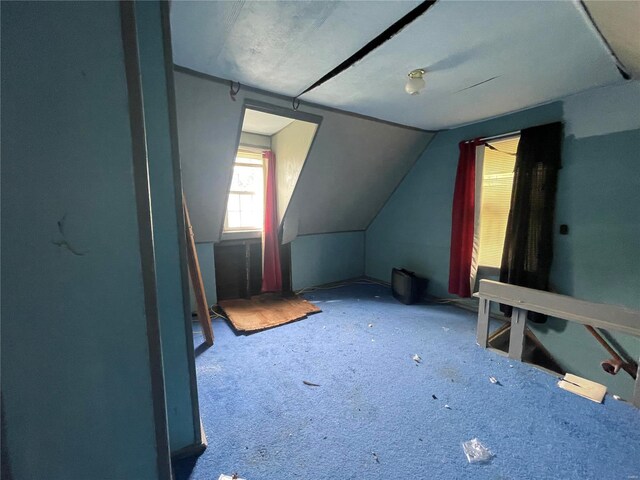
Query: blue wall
(326, 258)
(598, 197)
(76, 382)
(315, 259)
(175, 318)
(413, 230)
(208, 271)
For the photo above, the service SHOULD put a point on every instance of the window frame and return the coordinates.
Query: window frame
(242, 232)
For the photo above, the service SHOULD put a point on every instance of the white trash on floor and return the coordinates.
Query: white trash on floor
(476, 452)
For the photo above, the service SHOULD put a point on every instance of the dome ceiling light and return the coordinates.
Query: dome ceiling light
(415, 82)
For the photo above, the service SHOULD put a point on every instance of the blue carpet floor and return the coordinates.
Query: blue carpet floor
(378, 414)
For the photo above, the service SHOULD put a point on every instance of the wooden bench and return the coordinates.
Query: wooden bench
(523, 300)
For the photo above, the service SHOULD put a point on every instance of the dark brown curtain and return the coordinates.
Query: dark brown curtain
(528, 245)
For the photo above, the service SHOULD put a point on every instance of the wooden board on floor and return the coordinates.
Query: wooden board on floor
(583, 387)
(265, 311)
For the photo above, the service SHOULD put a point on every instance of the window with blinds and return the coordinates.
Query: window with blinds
(245, 205)
(495, 198)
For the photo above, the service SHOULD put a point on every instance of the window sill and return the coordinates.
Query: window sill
(241, 235)
(485, 271)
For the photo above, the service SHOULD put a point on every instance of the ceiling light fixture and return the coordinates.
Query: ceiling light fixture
(415, 82)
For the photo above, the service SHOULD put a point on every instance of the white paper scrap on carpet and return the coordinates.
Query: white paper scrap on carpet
(229, 477)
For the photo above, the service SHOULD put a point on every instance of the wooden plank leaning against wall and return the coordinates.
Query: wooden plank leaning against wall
(196, 279)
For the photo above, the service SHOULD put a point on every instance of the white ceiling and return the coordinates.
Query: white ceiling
(537, 52)
(263, 123)
(279, 46)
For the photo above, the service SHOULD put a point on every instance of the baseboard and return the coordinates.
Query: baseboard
(376, 280)
(194, 450)
(429, 299)
(340, 283)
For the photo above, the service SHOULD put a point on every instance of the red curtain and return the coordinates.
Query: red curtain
(462, 220)
(271, 274)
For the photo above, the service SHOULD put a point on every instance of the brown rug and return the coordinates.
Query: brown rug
(265, 311)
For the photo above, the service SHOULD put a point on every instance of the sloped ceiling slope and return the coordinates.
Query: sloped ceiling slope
(353, 166)
(619, 23)
(517, 54)
(352, 169)
(278, 46)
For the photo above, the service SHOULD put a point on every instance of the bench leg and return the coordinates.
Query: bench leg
(482, 334)
(516, 338)
(636, 390)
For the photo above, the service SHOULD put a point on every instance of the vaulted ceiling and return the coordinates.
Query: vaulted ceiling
(483, 59)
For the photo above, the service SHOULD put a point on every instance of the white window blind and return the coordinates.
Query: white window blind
(495, 199)
(249, 156)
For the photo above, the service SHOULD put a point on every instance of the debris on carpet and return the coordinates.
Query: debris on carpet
(310, 384)
(476, 452)
(416, 358)
(229, 477)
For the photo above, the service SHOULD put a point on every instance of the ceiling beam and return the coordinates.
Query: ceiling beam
(373, 44)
